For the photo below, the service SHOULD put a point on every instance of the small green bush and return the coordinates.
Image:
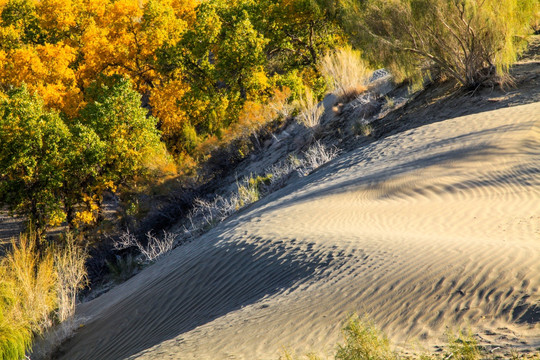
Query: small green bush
(463, 346)
(364, 341)
(251, 189)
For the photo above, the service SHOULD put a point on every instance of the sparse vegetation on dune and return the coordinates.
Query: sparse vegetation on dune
(363, 340)
(208, 213)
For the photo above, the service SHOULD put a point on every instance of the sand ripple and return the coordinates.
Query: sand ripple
(431, 228)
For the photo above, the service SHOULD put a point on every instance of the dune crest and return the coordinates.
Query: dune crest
(434, 227)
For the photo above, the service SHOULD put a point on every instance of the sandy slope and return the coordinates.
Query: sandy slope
(432, 227)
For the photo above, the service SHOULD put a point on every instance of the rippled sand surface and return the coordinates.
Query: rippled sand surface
(434, 227)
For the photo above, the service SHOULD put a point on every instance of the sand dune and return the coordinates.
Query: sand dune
(434, 227)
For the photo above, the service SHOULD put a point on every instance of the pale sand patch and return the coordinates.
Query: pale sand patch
(432, 227)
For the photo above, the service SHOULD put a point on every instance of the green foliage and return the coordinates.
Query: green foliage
(33, 157)
(237, 52)
(364, 341)
(463, 346)
(471, 41)
(48, 170)
(15, 337)
(115, 115)
(300, 31)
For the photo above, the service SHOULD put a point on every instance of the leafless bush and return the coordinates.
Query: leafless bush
(281, 172)
(213, 211)
(318, 155)
(71, 276)
(154, 248)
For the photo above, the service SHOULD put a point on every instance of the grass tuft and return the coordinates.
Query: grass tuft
(311, 110)
(346, 72)
(38, 289)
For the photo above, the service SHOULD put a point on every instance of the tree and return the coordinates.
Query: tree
(300, 31)
(52, 172)
(472, 41)
(122, 142)
(32, 158)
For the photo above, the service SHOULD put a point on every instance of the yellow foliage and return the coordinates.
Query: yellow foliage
(57, 218)
(9, 36)
(85, 217)
(57, 15)
(256, 84)
(160, 162)
(185, 9)
(186, 164)
(165, 102)
(46, 70)
(89, 215)
(124, 38)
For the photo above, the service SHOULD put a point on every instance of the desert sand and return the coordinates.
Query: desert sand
(432, 228)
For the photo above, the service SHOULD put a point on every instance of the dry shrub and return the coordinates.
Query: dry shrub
(280, 102)
(472, 41)
(318, 155)
(346, 72)
(71, 276)
(311, 110)
(255, 115)
(155, 246)
(32, 274)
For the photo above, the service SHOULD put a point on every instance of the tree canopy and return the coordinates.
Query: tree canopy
(54, 169)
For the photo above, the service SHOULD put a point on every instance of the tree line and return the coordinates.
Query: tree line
(95, 94)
